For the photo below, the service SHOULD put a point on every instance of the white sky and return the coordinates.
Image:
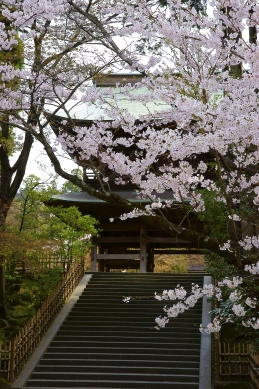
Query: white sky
(37, 157)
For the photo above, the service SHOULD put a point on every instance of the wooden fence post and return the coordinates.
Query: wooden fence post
(217, 358)
(12, 360)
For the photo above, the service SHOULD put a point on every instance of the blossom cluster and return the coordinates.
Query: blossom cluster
(241, 309)
(197, 107)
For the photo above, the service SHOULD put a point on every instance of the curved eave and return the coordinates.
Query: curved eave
(84, 197)
(104, 211)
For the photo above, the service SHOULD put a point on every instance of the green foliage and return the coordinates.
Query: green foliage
(28, 204)
(218, 267)
(70, 231)
(25, 294)
(8, 144)
(56, 225)
(68, 186)
(36, 289)
(37, 236)
(61, 231)
(234, 330)
(215, 216)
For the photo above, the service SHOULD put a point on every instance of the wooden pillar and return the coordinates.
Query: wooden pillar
(150, 259)
(93, 258)
(101, 261)
(143, 250)
(106, 267)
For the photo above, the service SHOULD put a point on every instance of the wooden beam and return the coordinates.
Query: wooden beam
(118, 245)
(115, 239)
(178, 252)
(167, 246)
(118, 256)
(120, 226)
(129, 264)
(158, 239)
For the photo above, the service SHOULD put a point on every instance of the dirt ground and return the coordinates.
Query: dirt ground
(4, 384)
(178, 263)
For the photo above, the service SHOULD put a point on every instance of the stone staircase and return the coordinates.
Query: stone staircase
(105, 343)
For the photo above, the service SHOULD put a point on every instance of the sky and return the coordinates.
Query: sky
(38, 157)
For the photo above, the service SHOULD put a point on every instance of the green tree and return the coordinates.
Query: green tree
(36, 232)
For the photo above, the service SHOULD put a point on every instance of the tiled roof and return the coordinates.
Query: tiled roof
(98, 112)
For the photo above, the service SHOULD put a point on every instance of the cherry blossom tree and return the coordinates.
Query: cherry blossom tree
(201, 142)
(49, 50)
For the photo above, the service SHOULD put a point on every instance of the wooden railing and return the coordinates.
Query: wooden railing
(55, 260)
(15, 352)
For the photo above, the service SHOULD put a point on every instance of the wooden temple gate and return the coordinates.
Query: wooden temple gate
(122, 244)
(134, 247)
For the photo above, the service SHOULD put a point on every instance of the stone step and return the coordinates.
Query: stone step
(88, 384)
(182, 349)
(138, 332)
(155, 277)
(99, 376)
(191, 343)
(133, 305)
(106, 294)
(149, 326)
(133, 322)
(152, 287)
(113, 363)
(114, 370)
(139, 313)
(180, 355)
(130, 338)
(104, 343)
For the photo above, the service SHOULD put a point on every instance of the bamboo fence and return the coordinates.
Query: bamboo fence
(236, 362)
(254, 370)
(233, 360)
(14, 353)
